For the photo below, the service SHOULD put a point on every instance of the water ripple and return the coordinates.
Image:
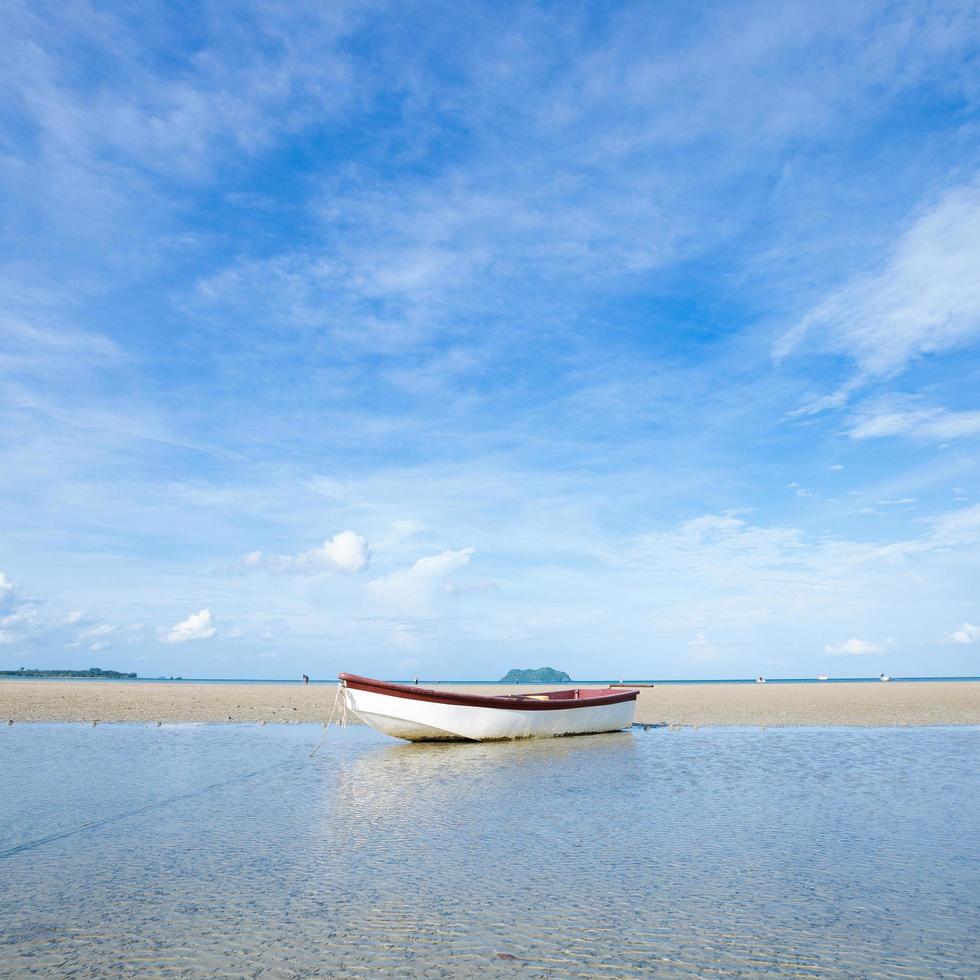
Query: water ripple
(217, 850)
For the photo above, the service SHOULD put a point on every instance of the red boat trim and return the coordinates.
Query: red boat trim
(509, 702)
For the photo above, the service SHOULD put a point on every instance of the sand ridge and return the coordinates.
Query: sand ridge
(913, 703)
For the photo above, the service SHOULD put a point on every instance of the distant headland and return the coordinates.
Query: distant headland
(90, 672)
(541, 675)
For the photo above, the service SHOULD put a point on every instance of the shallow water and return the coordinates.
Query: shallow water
(191, 850)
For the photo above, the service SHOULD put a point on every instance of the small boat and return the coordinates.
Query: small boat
(822, 677)
(419, 714)
(760, 680)
(884, 678)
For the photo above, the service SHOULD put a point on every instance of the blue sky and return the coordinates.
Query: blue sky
(442, 338)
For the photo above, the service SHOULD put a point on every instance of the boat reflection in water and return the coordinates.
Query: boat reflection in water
(440, 793)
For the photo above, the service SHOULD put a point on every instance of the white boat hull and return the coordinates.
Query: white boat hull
(428, 721)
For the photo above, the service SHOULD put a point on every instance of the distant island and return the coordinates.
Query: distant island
(542, 675)
(91, 672)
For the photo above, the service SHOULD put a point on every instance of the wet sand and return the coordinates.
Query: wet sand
(751, 705)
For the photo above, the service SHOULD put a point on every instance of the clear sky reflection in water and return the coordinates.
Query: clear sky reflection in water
(196, 849)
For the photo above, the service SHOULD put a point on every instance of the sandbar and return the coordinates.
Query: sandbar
(900, 703)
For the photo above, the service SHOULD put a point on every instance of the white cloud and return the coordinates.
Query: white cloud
(609, 188)
(256, 75)
(415, 587)
(96, 632)
(924, 300)
(853, 648)
(719, 542)
(700, 650)
(891, 419)
(404, 637)
(26, 343)
(8, 594)
(955, 528)
(345, 552)
(399, 531)
(197, 626)
(967, 633)
(725, 570)
(455, 237)
(19, 617)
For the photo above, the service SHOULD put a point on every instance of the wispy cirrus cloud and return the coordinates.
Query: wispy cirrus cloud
(23, 344)
(953, 528)
(399, 260)
(924, 299)
(261, 71)
(904, 417)
(505, 278)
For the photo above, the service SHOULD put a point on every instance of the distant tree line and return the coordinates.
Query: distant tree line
(90, 672)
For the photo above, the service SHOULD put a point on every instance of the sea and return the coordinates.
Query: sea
(201, 850)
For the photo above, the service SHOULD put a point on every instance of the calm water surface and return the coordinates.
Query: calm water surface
(192, 850)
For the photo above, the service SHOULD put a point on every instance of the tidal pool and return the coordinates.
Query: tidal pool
(191, 850)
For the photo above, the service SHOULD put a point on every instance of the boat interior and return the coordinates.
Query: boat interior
(576, 694)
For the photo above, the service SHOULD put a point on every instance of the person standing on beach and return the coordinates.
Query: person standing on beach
(306, 678)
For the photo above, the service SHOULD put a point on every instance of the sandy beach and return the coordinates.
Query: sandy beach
(769, 705)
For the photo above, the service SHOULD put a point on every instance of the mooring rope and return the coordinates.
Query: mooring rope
(345, 710)
(326, 728)
(138, 811)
